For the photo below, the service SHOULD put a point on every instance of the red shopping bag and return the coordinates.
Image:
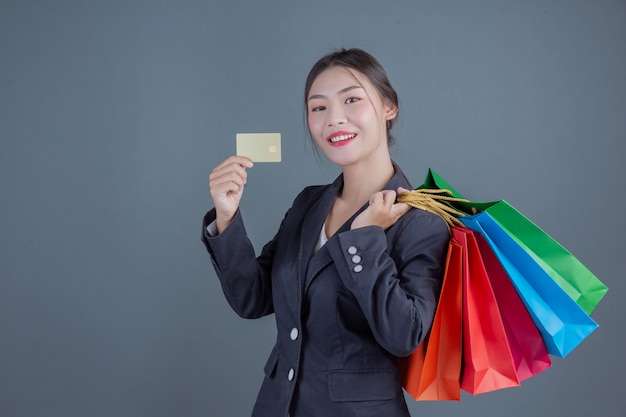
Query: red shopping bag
(487, 357)
(432, 371)
(529, 352)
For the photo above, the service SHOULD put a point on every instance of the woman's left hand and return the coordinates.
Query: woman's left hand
(382, 211)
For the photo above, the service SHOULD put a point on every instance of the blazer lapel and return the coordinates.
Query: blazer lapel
(312, 225)
(318, 262)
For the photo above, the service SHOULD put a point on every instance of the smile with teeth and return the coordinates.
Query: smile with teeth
(341, 138)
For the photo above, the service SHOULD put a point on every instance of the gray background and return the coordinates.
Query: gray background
(113, 113)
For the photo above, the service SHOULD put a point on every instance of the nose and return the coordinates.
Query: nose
(336, 116)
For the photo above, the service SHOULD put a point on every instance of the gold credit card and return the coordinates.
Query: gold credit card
(259, 147)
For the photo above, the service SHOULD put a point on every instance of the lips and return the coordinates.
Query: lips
(341, 138)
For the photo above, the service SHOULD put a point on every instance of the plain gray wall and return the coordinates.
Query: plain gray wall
(113, 113)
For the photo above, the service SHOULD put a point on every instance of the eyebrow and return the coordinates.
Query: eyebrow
(342, 91)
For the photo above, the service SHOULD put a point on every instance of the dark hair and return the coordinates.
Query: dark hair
(366, 64)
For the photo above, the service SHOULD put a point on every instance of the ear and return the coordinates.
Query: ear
(391, 111)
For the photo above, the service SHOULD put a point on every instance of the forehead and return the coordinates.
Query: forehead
(334, 79)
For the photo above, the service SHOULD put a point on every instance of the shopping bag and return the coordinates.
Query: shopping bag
(432, 372)
(565, 269)
(531, 276)
(560, 320)
(487, 358)
(527, 348)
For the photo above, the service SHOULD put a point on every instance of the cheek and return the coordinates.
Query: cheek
(316, 128)
(314, 121)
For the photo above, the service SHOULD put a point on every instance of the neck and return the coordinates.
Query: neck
(362, 180)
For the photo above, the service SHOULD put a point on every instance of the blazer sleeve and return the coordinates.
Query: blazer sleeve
(245, 279)
(397, 287)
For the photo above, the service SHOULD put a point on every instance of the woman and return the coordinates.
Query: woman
(352, 276)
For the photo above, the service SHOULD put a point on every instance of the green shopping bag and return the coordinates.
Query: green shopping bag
(563, 267)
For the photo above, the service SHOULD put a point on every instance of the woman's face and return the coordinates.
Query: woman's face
(346, 116)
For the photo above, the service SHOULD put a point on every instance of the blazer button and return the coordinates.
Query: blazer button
(292, 373)
(358, 268)
(294, 334)
(356, 259)
(352, 250)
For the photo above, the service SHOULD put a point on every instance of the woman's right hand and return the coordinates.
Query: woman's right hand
(226, 183)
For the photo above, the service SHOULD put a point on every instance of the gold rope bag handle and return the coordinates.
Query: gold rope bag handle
(433, 201)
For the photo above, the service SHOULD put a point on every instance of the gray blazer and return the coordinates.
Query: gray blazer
(343, 313)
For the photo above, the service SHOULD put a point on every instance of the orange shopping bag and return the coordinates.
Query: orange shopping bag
(432, 371)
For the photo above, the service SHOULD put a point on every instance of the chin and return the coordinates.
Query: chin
(342, 161)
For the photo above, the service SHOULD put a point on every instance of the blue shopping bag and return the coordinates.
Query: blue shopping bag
(561, 321)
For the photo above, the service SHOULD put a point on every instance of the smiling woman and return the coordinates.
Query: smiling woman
(350, 117)
(357, 61)
(352, 276)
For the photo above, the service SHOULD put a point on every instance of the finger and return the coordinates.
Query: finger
(389, 198)
(400, 209)
(230, 166)
(402, 190)
(227, 180)
(376, 199)
(226, 183)
(236, 159)
(233, 164)
(228, 170)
